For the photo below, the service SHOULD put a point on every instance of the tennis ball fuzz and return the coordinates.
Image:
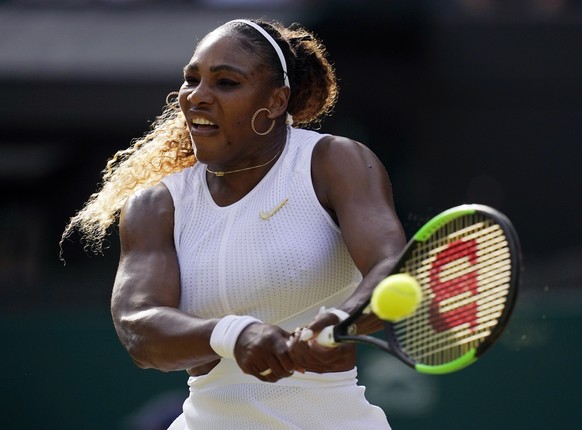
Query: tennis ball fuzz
(396, 297)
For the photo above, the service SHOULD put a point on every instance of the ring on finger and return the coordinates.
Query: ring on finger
(266, 372)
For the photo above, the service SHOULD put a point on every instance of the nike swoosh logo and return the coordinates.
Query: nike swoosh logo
(266, 215)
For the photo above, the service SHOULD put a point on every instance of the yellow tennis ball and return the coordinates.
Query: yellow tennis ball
(396, 297)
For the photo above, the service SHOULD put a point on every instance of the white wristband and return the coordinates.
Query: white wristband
(307, 334)
(342, 315)
(226, 332)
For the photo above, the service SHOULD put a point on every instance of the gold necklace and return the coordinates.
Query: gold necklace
(221, 173)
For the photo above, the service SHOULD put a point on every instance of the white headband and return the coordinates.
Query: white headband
(272, 42)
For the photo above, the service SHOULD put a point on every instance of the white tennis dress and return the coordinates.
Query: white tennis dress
(278, 256)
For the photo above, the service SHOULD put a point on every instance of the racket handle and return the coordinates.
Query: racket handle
(325, 337)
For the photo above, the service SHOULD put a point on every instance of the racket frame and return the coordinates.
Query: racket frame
(346, 331)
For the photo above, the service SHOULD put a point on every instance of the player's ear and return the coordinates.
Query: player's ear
(279, 101)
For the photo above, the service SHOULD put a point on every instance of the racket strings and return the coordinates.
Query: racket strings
(464, 270)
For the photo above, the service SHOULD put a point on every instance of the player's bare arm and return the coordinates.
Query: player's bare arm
(360, 200)
(146, 292)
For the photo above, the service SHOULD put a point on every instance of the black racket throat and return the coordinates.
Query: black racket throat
(348, 334)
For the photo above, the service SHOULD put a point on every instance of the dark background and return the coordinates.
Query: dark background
(468, 101)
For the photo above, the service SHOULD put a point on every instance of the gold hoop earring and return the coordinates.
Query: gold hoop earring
(172, 100)
(255, 117)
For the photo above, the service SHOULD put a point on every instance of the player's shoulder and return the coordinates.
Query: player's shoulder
(342, 154)
(153, 196)
(337, 143)
(152, 203)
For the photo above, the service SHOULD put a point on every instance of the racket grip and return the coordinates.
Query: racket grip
(326, 338)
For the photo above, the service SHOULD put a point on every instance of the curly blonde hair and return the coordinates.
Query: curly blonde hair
(167, 147)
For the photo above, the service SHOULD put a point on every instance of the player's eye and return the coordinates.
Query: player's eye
(191, 80)
(227, 83)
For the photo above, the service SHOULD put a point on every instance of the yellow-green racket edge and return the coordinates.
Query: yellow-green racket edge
(434, 224)
(452, 366)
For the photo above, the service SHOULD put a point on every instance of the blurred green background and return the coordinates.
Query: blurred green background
(467, 101)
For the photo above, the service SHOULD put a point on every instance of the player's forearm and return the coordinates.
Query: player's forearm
(368, 324)
(166, 339)
(362, 293)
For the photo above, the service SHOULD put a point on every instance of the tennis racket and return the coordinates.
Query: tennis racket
(466, 261)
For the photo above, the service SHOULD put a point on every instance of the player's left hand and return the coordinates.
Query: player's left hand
(307, 354)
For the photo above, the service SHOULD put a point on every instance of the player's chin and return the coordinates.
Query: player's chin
(205, 151)
(206, 141)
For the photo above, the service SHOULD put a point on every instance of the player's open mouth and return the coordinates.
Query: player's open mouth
(203, 124)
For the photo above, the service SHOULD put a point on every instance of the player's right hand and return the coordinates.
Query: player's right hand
(261, 350)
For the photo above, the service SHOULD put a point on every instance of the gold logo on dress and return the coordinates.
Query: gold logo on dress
(266, 215)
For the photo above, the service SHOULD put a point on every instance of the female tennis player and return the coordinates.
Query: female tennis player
(238, 227)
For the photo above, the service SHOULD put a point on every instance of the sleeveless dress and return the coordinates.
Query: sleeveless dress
(277, 255)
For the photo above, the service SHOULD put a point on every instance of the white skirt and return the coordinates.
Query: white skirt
(228, 399)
